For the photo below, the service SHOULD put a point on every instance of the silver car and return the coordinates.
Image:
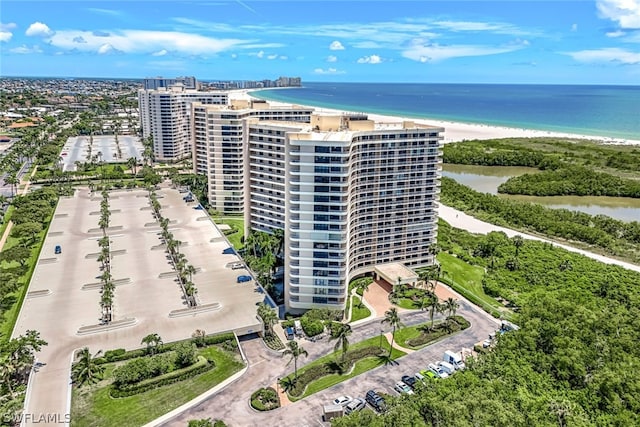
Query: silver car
(355, 405)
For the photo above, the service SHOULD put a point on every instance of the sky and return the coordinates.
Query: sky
(509, 41)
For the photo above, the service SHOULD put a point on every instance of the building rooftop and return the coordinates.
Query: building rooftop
(395, 272)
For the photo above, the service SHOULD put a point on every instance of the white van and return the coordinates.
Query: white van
(438, 370)
(454, 358)
(298, 327)
(447, 367)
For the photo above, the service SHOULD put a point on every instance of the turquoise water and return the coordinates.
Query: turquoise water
(607, 111)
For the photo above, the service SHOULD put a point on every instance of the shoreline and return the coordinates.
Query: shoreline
(455, 131)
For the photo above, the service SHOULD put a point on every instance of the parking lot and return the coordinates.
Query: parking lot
(76, 149)
(63, 300)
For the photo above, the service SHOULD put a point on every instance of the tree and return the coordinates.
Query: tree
(132, 162)
(268, 316)
(190, 270)
(342, 339)
(27, 230)
(19, 254)
(451, 305)
(295, 351)
(434, 307)
(393, 319)
(518, 242)
(153, 342)
(199, 337)
(85, 370)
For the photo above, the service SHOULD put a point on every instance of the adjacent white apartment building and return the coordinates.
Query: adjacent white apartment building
(349, 194)
(165, 115)
(218, 138)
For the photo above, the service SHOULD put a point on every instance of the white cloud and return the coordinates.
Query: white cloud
(615, 34)
(612, 54)
(367, 45)
(79, 39)
(490, 27)
(142, 41)
(273, 56)
(260, 54)
(110, 12)
(234, 55)
(332, 58)
(162, 52)
(328, 71)
(8, 26)
(336, 45)
(625, 12)
(434, 52)
(24, 49)
(283, 57)
(574, 28)
(5, 36)
(373, 59)
(39, 29)
(105, 48)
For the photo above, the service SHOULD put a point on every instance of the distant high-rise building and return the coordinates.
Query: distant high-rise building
(350, 195)
(151, 83)
(165, 115)
(218, 153)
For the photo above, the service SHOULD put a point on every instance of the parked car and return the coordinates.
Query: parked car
(402, 388)
(419, 377)
(447, 367)
(244, 278)
(290, 334)
(58, 249)
(438, 371)
(355, 405)
(429, 374)
(375, 400)
(409, 380)
(342, 400)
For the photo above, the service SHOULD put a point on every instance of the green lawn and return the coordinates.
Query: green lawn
(92, 406)
(406, 334)
(409, 332)
(359, 312)
(467, 280)
(360, 367)
(235, 238)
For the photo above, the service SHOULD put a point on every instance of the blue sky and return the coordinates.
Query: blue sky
(572, 41)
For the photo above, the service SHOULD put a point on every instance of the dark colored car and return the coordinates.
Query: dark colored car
(58, 249)
(244, 278)
(375, 400)
(409, 380)
(290, 333)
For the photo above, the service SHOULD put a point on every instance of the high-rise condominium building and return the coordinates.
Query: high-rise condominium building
(151, 83)
(165, 115)
(349, 193)
(218, 135)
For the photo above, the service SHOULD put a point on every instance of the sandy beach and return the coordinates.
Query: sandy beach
(458, 131)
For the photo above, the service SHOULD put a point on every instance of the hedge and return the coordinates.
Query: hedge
(132, 354)
(458, 323)
(203, 365)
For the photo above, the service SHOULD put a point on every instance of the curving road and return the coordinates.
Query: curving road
(265, 366)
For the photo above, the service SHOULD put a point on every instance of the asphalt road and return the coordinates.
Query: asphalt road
(265, 366)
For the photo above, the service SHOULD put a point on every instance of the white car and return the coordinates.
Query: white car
(355, 405)
(342, 400)
(438, 371)
(402, 388)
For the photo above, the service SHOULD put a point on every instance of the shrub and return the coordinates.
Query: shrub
(185, 354)
(110, 355)
(265, 399)
(311, 327)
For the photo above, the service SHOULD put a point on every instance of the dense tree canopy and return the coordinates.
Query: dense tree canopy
(574, 360)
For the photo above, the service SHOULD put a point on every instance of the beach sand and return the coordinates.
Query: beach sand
(458, 131)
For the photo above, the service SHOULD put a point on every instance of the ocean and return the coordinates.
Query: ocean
(606, 111)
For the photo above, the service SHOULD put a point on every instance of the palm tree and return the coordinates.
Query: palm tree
(434, 306)
(342, 339)
(451, 305)
(132, 162)
(518, 242)
(268, 316)
(392, 318)
(85, 370)
(190, 270)
(295, 351)
(362, 287)
(153, 341)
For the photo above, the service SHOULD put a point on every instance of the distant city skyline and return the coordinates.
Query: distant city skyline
(546, 42)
